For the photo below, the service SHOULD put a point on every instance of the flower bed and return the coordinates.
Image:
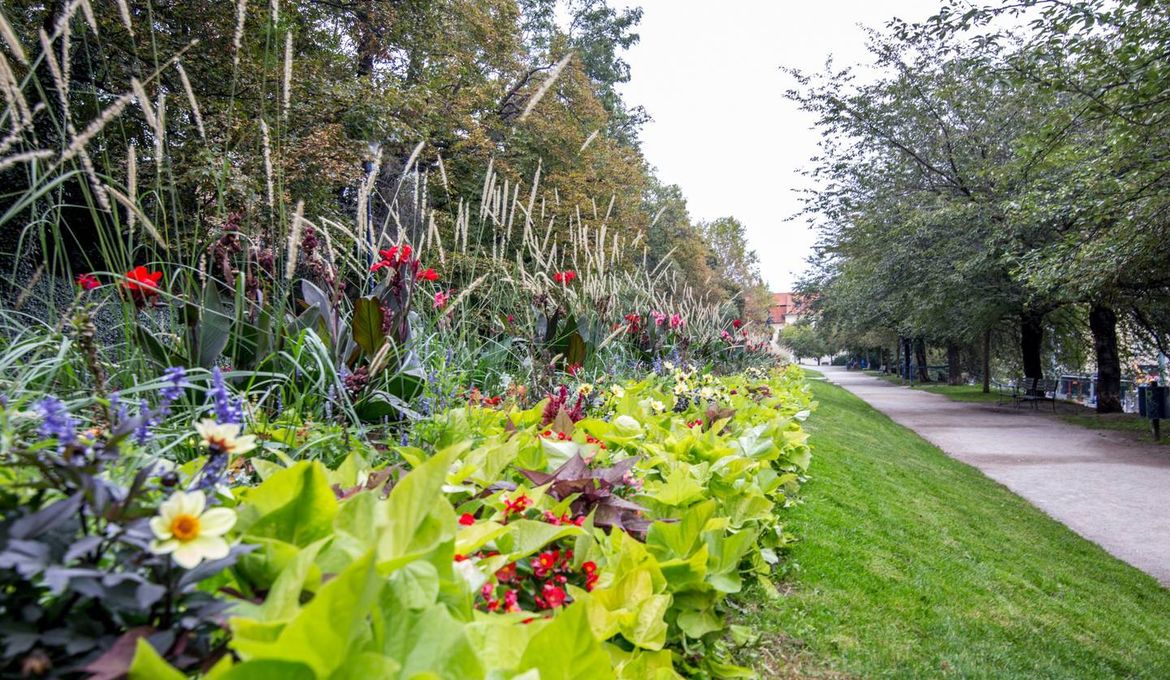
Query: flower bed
(594, 534)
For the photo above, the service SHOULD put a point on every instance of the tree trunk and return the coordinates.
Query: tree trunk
(986, 361)
(920, 357)
(954, 365)
(906, 370)
(1032, 342)
(1103, 324)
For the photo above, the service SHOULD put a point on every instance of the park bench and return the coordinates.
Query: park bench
(1037, 390)
(1030, 390)
(1010, 391)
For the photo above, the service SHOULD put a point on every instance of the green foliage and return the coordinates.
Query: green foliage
(390, 584)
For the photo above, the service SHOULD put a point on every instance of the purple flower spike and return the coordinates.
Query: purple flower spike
(56, 421)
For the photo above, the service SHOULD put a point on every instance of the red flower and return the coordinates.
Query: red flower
(589, 567)
(517, 505)
(573, 368)
(88, 281)
(460, 558)
(554, 595)
(142, 284)
(510, 601)
(565, 277)
(544, 563)
(392, 256)
(467, 519)
(506, 573)
(427, 274)
(737, 323)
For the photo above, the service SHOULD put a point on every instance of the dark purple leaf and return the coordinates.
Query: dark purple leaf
(32, 526)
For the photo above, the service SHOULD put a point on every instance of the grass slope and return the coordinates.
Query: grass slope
(914, 565)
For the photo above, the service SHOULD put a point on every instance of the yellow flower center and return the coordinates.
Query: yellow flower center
(185, 527)
(219, 445)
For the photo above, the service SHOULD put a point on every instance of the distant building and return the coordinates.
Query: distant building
(784, 310)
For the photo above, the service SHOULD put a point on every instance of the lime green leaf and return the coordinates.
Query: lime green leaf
(295, 505)
(269, 669)
(420, 518)
(148, 665)
(428, 641)
(566, 650)
(324, 632)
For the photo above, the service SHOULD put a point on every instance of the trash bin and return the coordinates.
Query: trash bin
(1153, 402)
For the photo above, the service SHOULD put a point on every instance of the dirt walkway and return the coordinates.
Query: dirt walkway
(1111, 490)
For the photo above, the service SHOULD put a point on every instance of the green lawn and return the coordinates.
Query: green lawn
(913, 565)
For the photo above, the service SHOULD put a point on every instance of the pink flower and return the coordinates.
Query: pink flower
(441, 299)
(676, 321)
(659, 317)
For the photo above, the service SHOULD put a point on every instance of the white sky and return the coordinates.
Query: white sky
(708, 73)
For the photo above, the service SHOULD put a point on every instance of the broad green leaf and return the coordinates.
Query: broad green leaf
(324, 632)
(680, 539)
(284, 598)
(499, 642)
(269, 669)
(428, 641)
(295, 505)
(420, 518)
(472, 538)
(679, 488)
(566, 649)
(526, 536)
(148, 665)
(366, 325)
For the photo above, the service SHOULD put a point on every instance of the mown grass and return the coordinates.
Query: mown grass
(914, 565)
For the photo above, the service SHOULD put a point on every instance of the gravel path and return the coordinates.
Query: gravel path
(1104, 486)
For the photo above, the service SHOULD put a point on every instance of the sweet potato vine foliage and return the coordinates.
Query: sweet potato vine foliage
(501, 545)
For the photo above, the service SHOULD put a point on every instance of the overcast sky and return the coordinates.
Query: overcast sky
(709, 75)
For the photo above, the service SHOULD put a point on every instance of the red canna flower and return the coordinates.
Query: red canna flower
(427, 274)
(141, 284)
(737, 323)
(392, 256)
(467, 519)
(565, 277)
(88, 281)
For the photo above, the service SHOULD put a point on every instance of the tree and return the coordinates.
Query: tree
(804, 340)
